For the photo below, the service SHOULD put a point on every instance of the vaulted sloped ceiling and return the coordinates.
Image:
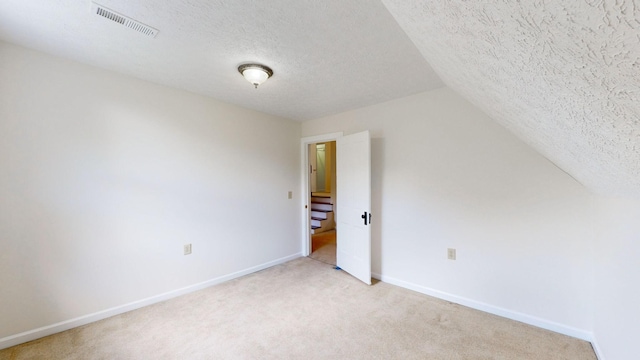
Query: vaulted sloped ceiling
(563, 75)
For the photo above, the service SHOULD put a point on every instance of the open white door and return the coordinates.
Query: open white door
(353, 175)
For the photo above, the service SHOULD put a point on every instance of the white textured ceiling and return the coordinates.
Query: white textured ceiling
(327, 56)
(564, 75)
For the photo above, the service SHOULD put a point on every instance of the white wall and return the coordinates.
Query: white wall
(617, 279)
(445, 175)
(103, 178)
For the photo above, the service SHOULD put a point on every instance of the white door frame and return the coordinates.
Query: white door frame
(305, 202)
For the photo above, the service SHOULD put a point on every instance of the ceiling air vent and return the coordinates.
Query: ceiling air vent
(123, 20)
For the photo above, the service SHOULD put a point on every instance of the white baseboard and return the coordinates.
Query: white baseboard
(596, 349)
(23, 337)
(509, 314)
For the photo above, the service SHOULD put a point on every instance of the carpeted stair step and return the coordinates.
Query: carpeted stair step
(321, 207)
(319, 214)
(321, 199)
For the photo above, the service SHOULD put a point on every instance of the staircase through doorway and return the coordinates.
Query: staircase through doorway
(321, 213)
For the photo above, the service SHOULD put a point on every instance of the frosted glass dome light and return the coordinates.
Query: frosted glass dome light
(255, 73)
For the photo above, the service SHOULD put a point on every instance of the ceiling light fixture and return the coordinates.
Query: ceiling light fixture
(255, 73)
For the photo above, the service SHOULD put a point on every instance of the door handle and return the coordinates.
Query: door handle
(365, 217)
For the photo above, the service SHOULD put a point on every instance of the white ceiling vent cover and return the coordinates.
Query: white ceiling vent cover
(123, 20)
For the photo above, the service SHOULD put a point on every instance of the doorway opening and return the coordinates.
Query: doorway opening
(353, 213)
(306, 189)
(322, 184)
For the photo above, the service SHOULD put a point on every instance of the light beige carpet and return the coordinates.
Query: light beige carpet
(323, 247)
(304, 310)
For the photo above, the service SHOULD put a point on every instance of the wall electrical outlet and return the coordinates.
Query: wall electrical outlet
(290, 195)
(187, 249)
(451, 254)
